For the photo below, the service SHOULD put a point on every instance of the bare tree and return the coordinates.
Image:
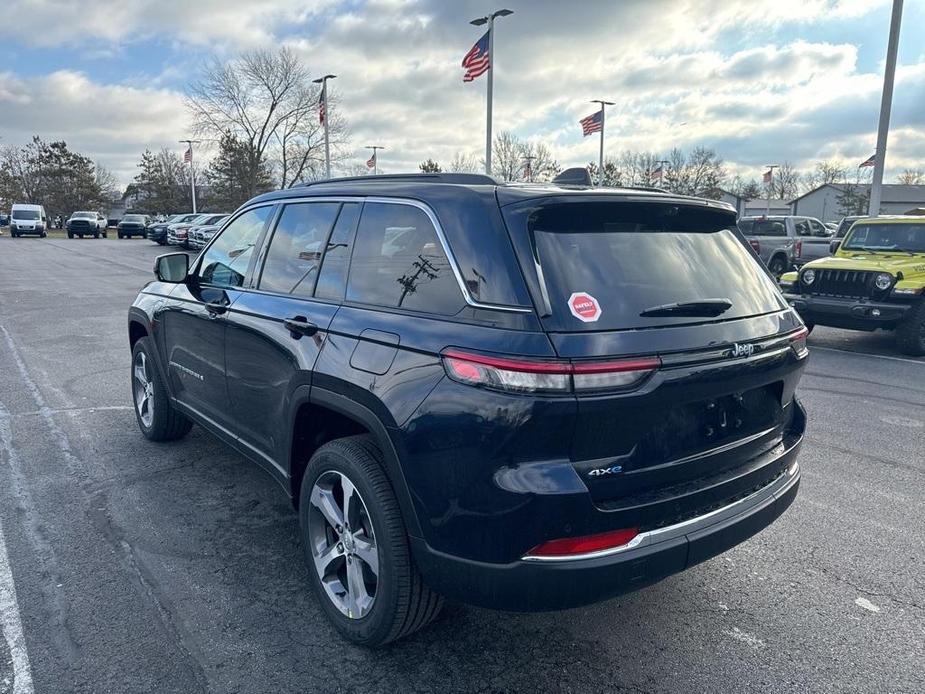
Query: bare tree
(911, 177)
(543, 167)
(464, 163)
(786, 183)
(825, 171)
(507, 156)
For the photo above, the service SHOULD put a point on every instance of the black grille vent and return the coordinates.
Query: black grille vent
(848, 283)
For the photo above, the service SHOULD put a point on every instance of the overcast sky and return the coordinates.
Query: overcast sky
(760, 81)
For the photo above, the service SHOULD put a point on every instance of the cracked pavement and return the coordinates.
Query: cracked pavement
(142, 567)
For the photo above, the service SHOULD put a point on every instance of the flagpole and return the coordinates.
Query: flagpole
(192, 173)
(600, 159)
(324, 99)
(490, 20)
(767, 201)
(886, 103)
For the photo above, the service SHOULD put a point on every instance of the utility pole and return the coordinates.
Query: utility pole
(192, 174)
(323, 116)
(770, 174)
(490, 20)
(886, 103)
(600, 159)
(375, 157)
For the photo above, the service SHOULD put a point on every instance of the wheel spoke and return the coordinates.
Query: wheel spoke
(349, 491)
(140, 374)
(357, 597)
(324, 501)
(324, 557)
(366, 550)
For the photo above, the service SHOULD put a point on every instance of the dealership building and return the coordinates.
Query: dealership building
(823, 202)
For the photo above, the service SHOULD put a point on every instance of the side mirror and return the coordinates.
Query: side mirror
(834, 246)
(171, 267)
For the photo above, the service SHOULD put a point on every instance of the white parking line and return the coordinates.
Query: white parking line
(867, 354)
(12, 625)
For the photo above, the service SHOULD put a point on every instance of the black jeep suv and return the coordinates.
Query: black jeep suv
(516, 396)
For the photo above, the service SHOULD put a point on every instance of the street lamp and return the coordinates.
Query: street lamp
(490, 20)
(323, 81)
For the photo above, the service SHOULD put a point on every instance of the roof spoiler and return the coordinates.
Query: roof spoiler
(576, 176)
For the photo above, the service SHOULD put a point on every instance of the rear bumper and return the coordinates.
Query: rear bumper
(855, 314)
(533, 585)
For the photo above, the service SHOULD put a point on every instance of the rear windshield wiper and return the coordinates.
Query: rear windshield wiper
(705, 307)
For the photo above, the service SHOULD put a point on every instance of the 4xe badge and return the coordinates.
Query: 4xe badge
(584, 307)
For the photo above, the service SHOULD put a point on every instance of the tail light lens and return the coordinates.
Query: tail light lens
(798, 342)
(546, 376)
(798, 248)
(570, 547)
(755, 244)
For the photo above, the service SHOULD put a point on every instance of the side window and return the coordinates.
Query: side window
(770, 227)
(746, 226)
(332, 279)
(818, 228)
(802, 227)
(295, 250)
(398, 262)
(225, 263)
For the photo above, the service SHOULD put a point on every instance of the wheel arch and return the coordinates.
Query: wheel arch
(320, 415)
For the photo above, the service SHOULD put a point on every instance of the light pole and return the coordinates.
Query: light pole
(600, 161)
(323, 113)
(886, 103)
(490, 20)
(770, 182)
(192, 175)
(375, 157)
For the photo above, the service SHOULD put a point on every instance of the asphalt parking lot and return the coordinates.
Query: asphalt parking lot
(140, 567)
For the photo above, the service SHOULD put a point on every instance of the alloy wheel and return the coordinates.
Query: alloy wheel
(143, 386)
(343, 544)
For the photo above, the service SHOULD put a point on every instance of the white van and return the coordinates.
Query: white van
(28, 219)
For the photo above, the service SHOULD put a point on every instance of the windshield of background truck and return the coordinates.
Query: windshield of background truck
(628, 261)
(887, 237)
(25, 214)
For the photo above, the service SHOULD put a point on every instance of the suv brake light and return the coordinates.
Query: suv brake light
(551, 376)
(755, 244)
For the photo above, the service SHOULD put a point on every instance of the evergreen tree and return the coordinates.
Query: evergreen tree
(237, 174)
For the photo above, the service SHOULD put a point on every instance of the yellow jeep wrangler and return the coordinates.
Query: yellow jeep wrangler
(876, 279)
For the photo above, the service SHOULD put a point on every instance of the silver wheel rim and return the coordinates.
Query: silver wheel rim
(143, 387)
(343, 544)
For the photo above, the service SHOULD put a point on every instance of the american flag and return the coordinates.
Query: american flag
(188, 155)
(868, 162)
(657, 172)
(477, 60)
(768, 175)
(593, 123)
(371, 162)
(322, 106)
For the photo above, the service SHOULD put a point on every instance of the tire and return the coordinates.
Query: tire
(401, 602)
(70, 234)
(96, 235)
(777, 266)
(157, 418)
(44, 234)
(121, 236)
(910, 334)
(105, 234)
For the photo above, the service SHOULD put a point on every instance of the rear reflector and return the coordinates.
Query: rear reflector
(572, 546)
(532, 375)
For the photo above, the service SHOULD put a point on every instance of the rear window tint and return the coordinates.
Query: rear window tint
(626, 260)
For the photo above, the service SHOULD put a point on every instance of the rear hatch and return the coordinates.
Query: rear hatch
(671, 279)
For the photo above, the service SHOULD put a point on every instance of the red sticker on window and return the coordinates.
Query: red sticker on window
(584, 307)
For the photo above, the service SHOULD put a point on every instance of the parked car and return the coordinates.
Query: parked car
(517, 396)
(158, 232)
(133, 225)
(86, 223)
(205, 234)
(876, 279)
(26, 219)
(194, 238)
(785, 241)
(4, 219)
(177, 233)
(843, 226)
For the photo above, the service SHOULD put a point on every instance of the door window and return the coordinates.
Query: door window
(296, 248)
(819, 228)
(770, 227)
(225, 263)
(332, 279)
(399, 262)
(802, 227)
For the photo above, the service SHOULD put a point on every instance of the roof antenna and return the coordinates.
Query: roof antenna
(576, 176)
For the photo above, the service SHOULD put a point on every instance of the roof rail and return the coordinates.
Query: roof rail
(458, 178)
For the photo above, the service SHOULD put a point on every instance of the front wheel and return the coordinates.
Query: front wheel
(777, 266)
(157, 418)
(910, 334)
(96, 235)
(357, 548)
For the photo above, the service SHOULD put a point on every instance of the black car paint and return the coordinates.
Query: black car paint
(481, 476)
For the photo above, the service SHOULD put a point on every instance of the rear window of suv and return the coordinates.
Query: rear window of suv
(630, 258)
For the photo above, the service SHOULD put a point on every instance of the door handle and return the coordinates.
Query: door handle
(215, 309)
(299, 326)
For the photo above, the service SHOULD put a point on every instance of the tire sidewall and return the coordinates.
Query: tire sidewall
(161, 407)
(375, 626)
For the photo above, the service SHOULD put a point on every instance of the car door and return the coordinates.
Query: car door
(193, 319)
(277, 328)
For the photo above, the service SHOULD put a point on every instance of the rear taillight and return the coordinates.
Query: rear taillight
(798, 248)
(798, 342)
(574, 547)
(755, 244)
(549, 376)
